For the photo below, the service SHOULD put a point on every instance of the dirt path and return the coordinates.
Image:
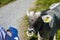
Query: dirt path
(11, 13)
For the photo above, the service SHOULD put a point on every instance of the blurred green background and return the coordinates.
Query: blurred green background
(4, 2)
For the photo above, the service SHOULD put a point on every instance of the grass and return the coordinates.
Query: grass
(58, 35)
(24, 24)
(43, 4)
(4, 2)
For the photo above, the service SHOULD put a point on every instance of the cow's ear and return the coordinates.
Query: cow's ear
(38, 14)
(27, 13)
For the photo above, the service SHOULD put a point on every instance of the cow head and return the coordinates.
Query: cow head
(32, 16)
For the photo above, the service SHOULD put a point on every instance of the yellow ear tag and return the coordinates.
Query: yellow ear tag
(46, 18)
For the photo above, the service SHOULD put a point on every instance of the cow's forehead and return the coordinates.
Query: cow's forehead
(33, 14)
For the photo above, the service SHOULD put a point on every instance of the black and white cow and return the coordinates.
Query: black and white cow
(46, 22)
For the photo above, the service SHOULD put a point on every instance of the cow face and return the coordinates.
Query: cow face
(32, 16)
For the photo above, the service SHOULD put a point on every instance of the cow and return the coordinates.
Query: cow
(46, 22)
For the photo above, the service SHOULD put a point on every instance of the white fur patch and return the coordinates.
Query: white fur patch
(38, 14)
(29, 34)
(31, 13)
(30, 29)
(54, 5)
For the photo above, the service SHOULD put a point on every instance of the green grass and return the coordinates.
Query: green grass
(58, 35)
(4, 2)
(43, 4)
